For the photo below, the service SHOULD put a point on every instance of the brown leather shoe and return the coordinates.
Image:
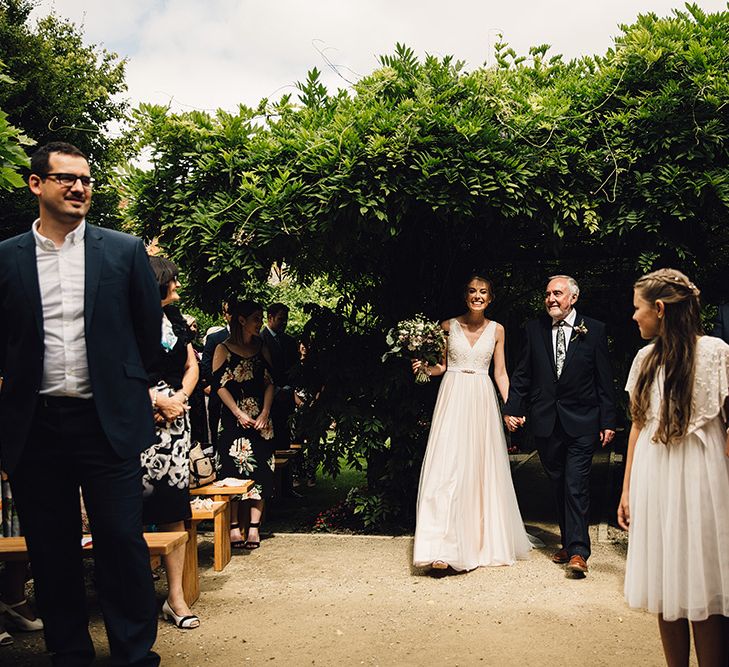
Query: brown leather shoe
(560, 557)
(578, 565)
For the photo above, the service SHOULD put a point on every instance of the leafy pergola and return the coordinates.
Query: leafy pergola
(395, 190)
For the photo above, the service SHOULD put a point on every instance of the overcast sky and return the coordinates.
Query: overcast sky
(206, 54)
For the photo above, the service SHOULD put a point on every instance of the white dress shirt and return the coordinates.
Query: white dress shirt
(61, 274)
(569, 325)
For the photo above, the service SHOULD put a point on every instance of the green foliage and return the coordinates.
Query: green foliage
(394, 192)
(375, 509)
(12, 155)
(298, 296)
(64, 90)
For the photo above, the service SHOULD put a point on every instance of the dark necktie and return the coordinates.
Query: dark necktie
(561, 346)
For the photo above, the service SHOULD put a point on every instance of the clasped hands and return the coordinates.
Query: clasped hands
(513, 423)
(169, 408)
(246, 421)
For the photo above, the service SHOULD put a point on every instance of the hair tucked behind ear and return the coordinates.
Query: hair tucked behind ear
(240, 308)
(674, 350)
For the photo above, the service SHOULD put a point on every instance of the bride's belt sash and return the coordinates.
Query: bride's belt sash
(470, 371)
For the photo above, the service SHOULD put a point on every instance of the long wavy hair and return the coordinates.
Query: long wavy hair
(674, 350)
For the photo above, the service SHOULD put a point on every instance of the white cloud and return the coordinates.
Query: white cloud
(221, 52)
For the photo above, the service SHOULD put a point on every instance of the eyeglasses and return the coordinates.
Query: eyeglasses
(69, 180)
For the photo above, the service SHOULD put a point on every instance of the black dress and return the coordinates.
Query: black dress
(166, 463)
(245, 453)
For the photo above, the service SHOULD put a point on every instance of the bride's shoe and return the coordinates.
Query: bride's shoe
(18, 620)
(439, 565)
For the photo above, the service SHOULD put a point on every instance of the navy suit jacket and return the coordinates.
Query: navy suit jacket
(122, 322)
(583, 396)
(284, 355)
(721, 327)
(206, 362)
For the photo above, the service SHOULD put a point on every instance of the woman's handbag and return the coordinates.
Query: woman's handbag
(202, 467)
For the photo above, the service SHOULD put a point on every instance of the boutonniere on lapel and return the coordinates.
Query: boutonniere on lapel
(578, 331)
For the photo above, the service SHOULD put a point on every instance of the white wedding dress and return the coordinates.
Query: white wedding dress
(467, 513)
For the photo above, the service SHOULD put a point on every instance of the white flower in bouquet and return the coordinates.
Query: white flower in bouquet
(418, 338)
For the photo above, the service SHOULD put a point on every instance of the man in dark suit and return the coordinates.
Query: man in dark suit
(212, 341)
(284, 356)
(283, 348)
(81, 321)
(564, 377)
(721, 327)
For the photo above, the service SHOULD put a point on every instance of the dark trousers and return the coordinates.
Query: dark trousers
(282, 408)
(567, 461)
(67, 449)
(215, 405)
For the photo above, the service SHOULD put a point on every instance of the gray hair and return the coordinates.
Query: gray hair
(574, 287)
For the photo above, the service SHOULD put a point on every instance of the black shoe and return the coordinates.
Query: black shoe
(238, 544)
(248, 543)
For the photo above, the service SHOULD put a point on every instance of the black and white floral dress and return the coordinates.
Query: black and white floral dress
(245, 453)
(166, 463)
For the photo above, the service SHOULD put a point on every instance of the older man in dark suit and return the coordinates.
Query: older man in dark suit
(565, 380)
(81, 320)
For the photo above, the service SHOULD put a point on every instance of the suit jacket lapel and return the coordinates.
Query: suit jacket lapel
(93, 256)
(547, 338)
(28, 269)
(572, 347)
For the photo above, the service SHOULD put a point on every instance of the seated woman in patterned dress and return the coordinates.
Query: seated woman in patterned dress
(242, 378)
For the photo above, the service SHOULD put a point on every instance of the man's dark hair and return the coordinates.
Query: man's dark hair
(39, 159)
(165, 271)
(276, 308)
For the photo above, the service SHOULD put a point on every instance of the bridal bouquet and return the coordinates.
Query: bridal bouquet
(417, 338)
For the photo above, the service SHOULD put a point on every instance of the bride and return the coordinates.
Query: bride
(467, 513)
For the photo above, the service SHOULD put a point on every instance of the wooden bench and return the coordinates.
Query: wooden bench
(221, 532)
(286, 453)
(159, 544)
(220, 494)
(280, 462)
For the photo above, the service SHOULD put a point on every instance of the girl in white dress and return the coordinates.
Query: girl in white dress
(675, 499)
(467, 513)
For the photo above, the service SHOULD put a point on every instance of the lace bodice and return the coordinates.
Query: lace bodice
(460, 353)
(711, 381)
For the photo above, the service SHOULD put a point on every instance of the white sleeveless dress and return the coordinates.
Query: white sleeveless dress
(467, 512)
(678, 547)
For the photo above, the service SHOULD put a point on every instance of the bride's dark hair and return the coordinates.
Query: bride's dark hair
(674, 349)
(479, 276)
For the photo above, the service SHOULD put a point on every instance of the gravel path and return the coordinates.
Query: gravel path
(349, 600)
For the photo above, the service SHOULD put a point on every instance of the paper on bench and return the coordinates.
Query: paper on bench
(230, 481)
(202, 503)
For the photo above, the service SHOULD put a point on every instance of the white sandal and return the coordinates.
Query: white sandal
(6, 638)
(18, 620)
(183, 622)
